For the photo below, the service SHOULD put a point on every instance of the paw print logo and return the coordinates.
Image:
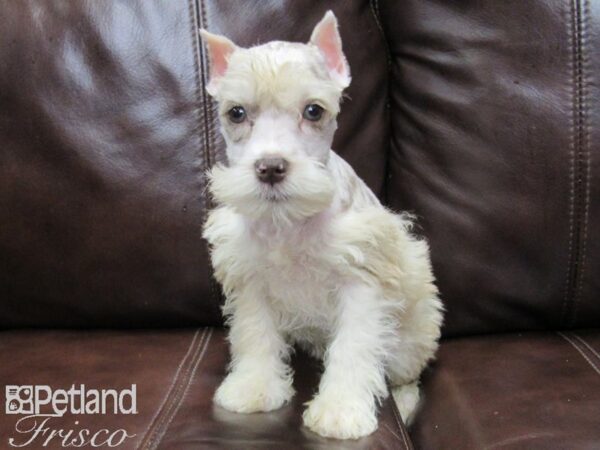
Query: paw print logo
(19, 399)
(13, 406)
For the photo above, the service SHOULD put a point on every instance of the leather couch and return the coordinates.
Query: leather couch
(479, 116)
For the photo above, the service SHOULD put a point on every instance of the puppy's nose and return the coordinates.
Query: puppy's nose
(271, 170)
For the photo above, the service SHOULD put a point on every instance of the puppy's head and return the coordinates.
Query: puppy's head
(278, 104)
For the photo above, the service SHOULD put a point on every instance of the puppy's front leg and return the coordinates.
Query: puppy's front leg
(345, 406)
(259, 378)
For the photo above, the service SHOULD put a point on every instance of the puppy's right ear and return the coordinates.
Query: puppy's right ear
(219, 50)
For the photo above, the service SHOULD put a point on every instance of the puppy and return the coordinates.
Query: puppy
(305, 252)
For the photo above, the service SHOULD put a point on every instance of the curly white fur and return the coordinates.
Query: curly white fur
(315, 260)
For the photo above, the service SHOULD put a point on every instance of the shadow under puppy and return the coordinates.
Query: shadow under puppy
(305, 252)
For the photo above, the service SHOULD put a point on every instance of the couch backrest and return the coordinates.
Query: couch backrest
(105, 136)
(495, 144)
(480, 117)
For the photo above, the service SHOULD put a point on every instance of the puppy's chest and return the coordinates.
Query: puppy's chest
(299, 280)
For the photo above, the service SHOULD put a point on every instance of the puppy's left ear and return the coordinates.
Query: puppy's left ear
(326, 37)
(219, 51)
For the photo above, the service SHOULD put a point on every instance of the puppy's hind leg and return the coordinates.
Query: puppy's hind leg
(403, 370)
(407, 398)
(417, 342)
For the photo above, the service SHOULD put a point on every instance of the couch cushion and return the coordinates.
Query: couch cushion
(101, 166)
(495, 108)
(105, 137)
(176, 374)
(521, 391)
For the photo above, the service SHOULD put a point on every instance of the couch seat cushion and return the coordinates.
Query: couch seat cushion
(520, 391)
(175, 373)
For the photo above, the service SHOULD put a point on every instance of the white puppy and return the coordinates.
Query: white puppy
(304, 250)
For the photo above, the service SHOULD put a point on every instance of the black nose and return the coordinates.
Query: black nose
(271, 170)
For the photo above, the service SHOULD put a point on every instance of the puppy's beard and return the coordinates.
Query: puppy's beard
(307, 190)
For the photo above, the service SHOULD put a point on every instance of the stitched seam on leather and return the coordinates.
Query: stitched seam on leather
(153, 439)
(160, 429)
(209, 132)
(374, 5)
(571, 65)
(581, 352)
(190, 380)
(165, 419)
(199, 79)
(195, 18)
(387, 427)
(590, 348)
(169, 391)
(400, 424)
(405, 438)
(577, 172)
(585, 157)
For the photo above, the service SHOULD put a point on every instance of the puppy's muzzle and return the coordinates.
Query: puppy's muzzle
(271, 170)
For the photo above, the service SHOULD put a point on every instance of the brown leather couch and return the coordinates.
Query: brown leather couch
(482, 117)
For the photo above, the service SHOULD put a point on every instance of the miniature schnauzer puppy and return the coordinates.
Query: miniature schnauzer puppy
(304, 250)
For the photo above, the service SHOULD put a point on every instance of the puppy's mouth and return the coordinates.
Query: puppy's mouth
(303, 193)
(273, 194)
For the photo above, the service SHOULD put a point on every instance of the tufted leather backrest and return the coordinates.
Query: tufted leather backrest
(105, 135)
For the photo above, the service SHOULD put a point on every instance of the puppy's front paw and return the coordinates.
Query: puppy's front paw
(340, 418)
(248, 393)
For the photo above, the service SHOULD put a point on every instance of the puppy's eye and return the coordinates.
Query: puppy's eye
(237, 114)
(313, 112)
